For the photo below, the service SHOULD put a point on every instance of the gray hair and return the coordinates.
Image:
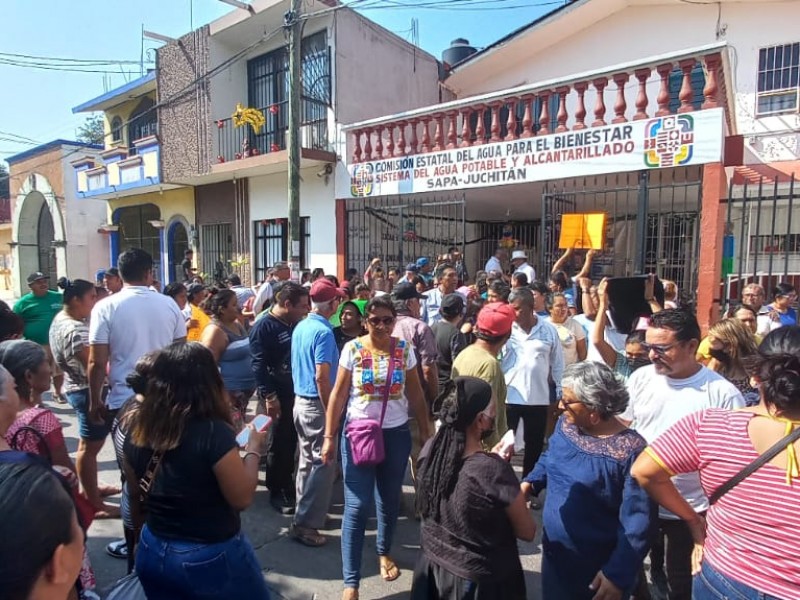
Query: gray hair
(19, 357)
(5, 376)
(597, 387)
(322, 306)
(522, 294)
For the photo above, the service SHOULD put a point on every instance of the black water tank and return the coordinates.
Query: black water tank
(459, 50)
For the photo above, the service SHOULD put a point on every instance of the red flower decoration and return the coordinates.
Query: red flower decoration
(273, 109)
(238, 155)
(220, 124)
(274, 148)
(220, 159)
(254, 152)
(369, 388)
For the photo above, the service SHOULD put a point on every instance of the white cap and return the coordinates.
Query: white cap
(519, 254)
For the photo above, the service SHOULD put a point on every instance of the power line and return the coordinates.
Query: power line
(88, 61)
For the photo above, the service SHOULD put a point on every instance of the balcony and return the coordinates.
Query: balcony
(242, 143)
(630, 92)
(122, 172)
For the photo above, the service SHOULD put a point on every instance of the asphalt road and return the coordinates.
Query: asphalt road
(292, 571)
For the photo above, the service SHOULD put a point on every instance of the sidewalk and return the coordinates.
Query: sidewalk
(293, 571)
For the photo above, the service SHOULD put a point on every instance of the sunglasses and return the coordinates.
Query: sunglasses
(659, 349)
(385, 321)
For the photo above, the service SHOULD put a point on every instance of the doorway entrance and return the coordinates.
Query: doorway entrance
(177, 245)
(45, 235)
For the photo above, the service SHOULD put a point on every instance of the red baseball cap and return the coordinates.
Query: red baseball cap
(496, 319)
(323, 290)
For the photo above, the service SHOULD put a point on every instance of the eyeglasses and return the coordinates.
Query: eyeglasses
(376, 321)
(659, 349)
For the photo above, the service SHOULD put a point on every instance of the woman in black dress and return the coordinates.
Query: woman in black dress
(472, 508)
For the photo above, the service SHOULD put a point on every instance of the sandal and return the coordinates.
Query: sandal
(307, 536)
(389, 570)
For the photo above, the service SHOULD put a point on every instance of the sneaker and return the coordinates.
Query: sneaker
(117, 549)
(282, 503)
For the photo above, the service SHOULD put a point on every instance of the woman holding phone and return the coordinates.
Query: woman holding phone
(377, 381)
(182, 444)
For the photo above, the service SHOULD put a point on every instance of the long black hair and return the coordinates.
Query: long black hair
(777, 367)
(461, 401)
(74, 288)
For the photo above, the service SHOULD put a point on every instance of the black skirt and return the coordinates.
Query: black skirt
(432, 582)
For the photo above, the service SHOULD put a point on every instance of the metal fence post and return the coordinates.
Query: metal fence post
(642, 208)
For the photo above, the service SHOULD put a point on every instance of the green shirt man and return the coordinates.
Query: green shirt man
(38, 309)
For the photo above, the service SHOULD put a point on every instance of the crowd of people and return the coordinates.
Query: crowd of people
(649, 438)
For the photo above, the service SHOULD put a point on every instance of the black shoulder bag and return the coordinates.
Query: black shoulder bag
(754, 466)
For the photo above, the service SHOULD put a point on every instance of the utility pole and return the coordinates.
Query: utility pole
(294, 26)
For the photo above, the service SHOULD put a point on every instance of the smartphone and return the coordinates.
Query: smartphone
(507, 441)
(260, 423)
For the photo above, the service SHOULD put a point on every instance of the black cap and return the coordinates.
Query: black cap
(36, 277)
(406, 291)
(452, 304)
(412, 268)
(195, 288)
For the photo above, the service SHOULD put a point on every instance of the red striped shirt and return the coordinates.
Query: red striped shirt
(754, 530)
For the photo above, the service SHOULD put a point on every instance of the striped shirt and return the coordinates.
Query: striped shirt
(754, 530)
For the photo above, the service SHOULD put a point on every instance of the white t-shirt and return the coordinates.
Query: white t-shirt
(133, 322)
(367, 381)
(658, 402)
(263, 295)
(569, 332)
(493, 264)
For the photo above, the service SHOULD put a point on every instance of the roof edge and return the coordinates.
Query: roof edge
(49, 146)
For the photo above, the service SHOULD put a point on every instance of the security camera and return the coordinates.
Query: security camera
(327, 170)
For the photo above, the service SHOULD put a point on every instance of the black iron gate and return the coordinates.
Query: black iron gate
(403, 228)
(652, 223)
(762, 235)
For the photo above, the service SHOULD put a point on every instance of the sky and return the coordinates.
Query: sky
(37, 104)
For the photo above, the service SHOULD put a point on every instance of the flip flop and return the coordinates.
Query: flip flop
(389, 570)
(106, 490)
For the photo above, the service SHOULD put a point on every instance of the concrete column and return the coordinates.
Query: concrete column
(712, 228)
(341, 239)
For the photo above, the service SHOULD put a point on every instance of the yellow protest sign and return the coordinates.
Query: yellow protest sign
(583, 231)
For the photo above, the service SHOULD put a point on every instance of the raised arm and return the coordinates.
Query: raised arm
(608, 354)
(587, 265)
(562, 260)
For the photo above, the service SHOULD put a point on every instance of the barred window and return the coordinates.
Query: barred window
(778, 79)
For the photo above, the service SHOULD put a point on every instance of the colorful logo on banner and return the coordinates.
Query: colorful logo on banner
(362, 181)
(669, 141)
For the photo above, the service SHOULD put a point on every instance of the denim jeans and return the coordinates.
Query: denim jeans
(176, 570)
(384, 484)
(710, 584)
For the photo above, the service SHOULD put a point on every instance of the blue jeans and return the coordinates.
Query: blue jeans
(383, 484)
(175, 570)
(92, 432)
(710, 584)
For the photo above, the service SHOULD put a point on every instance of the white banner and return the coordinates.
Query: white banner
(673, 141)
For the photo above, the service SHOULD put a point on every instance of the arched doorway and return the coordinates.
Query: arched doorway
(45, 235)
(177, 245)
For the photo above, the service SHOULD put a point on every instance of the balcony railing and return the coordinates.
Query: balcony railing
(122, 169)
(639, 91)
(235, 143)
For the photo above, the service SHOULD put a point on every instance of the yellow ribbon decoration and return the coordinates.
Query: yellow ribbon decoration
(792, 465)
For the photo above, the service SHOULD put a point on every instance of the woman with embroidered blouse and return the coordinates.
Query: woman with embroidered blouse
(746, 547)
(360, 392)
(597, 521)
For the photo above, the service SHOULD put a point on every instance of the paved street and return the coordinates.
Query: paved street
(293, 571)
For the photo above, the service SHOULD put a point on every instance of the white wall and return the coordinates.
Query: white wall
(268, 200)
(638, 32)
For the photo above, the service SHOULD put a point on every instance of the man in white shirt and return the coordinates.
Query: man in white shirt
(519, 260)
(661, 394)
(766, 320)
(447, 279)
(495, 263)
(124, 327)
(531, 357)
(279, 272)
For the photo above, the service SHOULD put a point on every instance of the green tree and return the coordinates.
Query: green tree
(92, 131)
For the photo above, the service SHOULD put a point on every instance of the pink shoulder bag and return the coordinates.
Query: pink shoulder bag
(366, 435)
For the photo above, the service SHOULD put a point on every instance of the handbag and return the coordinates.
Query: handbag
(754, 466)
(129, 587)
(366, 435)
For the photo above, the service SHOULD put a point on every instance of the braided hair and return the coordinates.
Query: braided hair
(462, 400)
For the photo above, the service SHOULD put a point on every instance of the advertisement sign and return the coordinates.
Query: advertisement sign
(672, 141)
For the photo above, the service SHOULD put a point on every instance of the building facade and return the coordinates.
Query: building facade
(651, 113)
(239, 171)
(53, 229)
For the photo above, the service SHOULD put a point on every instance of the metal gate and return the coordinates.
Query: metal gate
(652, 223)
(216, 243)
(403, 228)
(762, 235)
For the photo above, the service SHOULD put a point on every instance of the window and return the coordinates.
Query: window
(778, 75)
(272, 244)
(216, 250)
(116, 129)
(698, 79)
(143, 122)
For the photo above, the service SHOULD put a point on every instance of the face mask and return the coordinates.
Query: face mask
(720, 355)
(638, 363)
